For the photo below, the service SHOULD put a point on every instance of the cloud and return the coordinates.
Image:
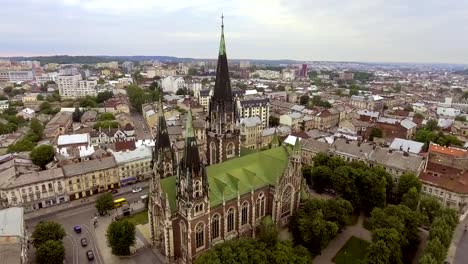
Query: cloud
(358, 30)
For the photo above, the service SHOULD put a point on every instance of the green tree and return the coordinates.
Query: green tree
(40, 97)
(120, 237)
(106, 117)
(428, 259)
(406, 182)
(441, 230)
(430, 208)
(192, 71)
(418, 115)
(51, 252)
(460, 118)
(267, 231)
(47, 230)
(377, 253)
(375, 133)
(136, 96)
(103, 96)
(104, 203)
(320, 178)
(391, 238)
(77, 114)
(36, 126)
(181, 91)
(42, 155)
(154, 86)
(411, 198)
(273, 121)
(304, 100)
(45, 108)
(432, 125)
(88, 102)
(436, 250)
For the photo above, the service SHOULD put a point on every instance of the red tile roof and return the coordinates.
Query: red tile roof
(458, 184)
(124, 145)
(456, 152)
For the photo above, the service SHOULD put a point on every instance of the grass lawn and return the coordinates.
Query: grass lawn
(139, 218)
(352, 252)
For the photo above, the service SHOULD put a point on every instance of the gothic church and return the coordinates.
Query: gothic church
(194, 205)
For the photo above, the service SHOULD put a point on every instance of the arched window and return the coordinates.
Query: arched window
(230, 150)
(183, 233)
(199, 235)
(286, 201)
(198, 189)
(260, 206)
(213, 153)
(215, 226)
(245, 213)
(231, 218)
(198, 208)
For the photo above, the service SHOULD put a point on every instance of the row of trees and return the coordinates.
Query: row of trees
(13, 121)
(28, 142)
(316, 223)
(138, 96)
(267, 249)
(47, 239)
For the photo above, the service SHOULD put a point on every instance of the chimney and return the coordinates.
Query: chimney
(406, 154)
(401, 147)
(390, 150)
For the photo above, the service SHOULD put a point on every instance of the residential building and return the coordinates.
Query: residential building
(394, 128)
(351, 150)
(410, 146)
(251, 132)
(326, 119)
(14, 242)
(397, 162)
(346, 76)
(117, 104)
(29, 97)
(73, 86)
(20, 76)
(74, 140)
(134, 165)
(448, 111)
(259, 107)
(311, 147)
(27, 113)
(203, 97)
(58, 125)
(171, 84)
(372, 103)
(110, 135)
(460, 128)
(4, 104)
(90, 177)
(292, 120)
(35, 190)
(446, 176)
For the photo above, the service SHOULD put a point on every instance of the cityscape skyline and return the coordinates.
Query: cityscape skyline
(361, 31)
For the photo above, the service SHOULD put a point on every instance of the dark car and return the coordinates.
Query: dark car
(77, 229)
(84, 242)
(90, 254)
(114, 191)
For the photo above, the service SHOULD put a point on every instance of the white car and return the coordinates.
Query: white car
(137, 189)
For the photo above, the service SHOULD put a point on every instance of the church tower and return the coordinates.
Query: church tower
(223, 136)
(191, 194)
(158, 210)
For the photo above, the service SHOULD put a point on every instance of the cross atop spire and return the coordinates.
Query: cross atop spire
(222, 20)
(222, 45)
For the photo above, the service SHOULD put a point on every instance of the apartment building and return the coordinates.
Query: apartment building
(73, 86)
(58, 125)
(255, 107)
(326, 119)
(90, 177)
(134, 165)
(446, 176)
(34, 190)
(372, 102)
(171, 84)
(251, 132)
(14, 243)
(16, 76)
(203, 97)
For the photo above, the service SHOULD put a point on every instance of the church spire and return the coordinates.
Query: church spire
(222, 90)
(191, 156)
(162, 137)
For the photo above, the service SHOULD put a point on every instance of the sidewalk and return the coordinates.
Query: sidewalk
(78, 203)
(340, 240)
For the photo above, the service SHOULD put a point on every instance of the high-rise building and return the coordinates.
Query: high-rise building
(303, 73)
(223, 137)
(72, 86)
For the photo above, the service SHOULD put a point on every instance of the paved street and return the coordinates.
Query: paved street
(140, 126)
(458, 251)
(83, 215)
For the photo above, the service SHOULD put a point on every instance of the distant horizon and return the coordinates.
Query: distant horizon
(371, 31)
(244, 59)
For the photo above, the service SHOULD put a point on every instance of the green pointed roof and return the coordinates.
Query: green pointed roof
(297, 145)
(275, 140)
(222, 45)
(189, 132)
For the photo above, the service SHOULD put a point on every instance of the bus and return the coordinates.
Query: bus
(119, 202)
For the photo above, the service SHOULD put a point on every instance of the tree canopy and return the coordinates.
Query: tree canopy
(47, 230)
(136, 96)
(51, 252)
(104, 203)
(120, 237)
(42, 155)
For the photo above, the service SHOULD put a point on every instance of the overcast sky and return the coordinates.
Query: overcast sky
(338, 30)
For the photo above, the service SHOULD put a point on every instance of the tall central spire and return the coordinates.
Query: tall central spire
(222, 90)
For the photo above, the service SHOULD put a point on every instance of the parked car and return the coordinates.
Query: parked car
(84, 242)
(90, 254)
(77, 229)
(137, 189)
(114, 191)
